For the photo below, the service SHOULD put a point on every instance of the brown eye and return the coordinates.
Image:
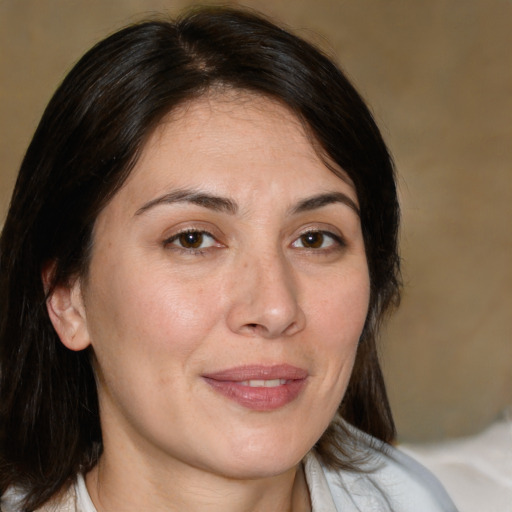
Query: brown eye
(317, 240)
(313, 240)
(191, 240)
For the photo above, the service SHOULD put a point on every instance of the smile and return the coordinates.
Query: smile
(259, 388)
(263, 383)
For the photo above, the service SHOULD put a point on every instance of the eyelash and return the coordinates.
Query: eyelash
(337, 242)
(169, 242)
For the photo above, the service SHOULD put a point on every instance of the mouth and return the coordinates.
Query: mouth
(263, 383)
(259, 387)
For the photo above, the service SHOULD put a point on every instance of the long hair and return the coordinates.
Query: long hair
(85, 146)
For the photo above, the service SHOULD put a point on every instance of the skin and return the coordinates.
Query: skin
(269, 283)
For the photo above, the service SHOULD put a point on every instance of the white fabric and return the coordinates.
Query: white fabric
(390, 482)
(83, 499)
(477, 470)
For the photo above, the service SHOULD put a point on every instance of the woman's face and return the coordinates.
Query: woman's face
(227, 291)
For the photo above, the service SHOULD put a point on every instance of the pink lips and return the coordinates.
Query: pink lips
(260, 388)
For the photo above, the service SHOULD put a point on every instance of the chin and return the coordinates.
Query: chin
(254, 457)
(261, 467)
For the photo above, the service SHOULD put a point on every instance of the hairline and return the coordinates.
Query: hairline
(212, 91)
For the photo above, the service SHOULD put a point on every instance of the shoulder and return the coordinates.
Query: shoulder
(388, 480)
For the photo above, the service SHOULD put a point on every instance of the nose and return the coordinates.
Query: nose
(264, 299)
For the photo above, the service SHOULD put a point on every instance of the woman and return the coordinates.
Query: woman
(199, 251)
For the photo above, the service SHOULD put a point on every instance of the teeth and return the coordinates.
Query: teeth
(263, 383)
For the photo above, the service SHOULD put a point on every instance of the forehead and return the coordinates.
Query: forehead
(234, 142)
(234, 122)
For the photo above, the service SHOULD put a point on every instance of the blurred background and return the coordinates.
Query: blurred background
(438, 76)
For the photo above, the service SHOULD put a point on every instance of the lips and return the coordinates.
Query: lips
(260, 388)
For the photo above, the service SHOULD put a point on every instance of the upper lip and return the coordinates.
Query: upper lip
(258, 372)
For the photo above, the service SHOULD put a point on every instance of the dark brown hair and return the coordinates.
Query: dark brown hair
(86, 144)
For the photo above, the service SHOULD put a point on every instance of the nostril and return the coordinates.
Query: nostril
(252, 329)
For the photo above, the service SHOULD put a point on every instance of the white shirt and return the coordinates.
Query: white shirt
(391, 481)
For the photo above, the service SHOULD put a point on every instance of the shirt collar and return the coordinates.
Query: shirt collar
(319, 492)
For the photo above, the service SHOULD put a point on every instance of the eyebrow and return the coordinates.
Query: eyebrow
(226, 205)
(209, 201)
(320, 200)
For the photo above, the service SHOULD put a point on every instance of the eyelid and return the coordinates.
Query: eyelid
(337, 240)
(193, 226)
(190, 230)
(321, 227)
(324, 253)
(206, 229)
(176, 235)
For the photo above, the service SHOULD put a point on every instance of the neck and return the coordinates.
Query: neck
(136, 486)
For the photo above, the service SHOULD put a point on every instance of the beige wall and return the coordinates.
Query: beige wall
(439, 77)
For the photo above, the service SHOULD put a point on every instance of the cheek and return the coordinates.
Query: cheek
(338, 316)
(148, 309)
(341, 307)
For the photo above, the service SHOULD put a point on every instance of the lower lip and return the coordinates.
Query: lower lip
(259, 398)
